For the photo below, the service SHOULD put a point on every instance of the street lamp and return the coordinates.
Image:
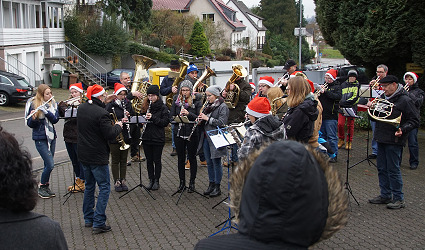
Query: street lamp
(300, 32)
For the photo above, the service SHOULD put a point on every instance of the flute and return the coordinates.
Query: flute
(38, 108)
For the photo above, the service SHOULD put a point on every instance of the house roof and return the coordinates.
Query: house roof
(221, 7)
(247, 12)
(178, 5)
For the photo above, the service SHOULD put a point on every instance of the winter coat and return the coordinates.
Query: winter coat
(95, 129)
(330, 101)
(403, 104)
(118, 109)
(38, 125)
(417, 95)
(237, 114)
(166, 85)
(314, 139)
(349, 95)
(299, 120)
(154, 133)
(217, 118)
(70, 131)
(185, 129)
(264, 131)
(28, 230)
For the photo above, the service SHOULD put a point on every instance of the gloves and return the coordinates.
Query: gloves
(43, 109)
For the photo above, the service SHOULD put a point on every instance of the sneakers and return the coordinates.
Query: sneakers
(102, 229)
(348, 145)
(187, 166)
(396, 204)
(203, 163)
(413, 166)
(174, 153)
(341, 143)
(155, 185)
(372, 156)
(123, 186)
(42, 192)
(117, 186)
(380, 200)
(50, 192)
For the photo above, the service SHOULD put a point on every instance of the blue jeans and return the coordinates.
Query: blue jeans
(234, 155)
(329, 133)
(76, 164)
(374, 143)
(47, 156)
(96, 174)
(389, 174)
(413, 147)
(215, 170)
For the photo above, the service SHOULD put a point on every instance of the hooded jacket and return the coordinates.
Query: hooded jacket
(330, 101)
(417, 95)
(404, 106)
(285, 197)
(349, 95)
(264, 131)
(299, 120)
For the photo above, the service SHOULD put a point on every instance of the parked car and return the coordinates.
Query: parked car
(114, 76)
(13, 88)
(361, 72)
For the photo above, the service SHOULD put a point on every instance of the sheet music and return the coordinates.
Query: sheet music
(219, 140)
(71, 111)
(229, 138)
(349, 112)
(133, 119)
(181, 119)
(241, 130)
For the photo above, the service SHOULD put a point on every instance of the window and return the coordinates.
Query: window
(208, 16)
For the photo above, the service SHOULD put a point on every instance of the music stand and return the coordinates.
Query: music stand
(179, 120)
(139, 120)
(349, 112)
(70, 114)
(219, 138)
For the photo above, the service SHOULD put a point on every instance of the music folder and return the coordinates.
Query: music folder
(137, 119)
(71, 112)
(181, 119)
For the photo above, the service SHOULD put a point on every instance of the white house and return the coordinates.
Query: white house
(27, 30)
(254, 36)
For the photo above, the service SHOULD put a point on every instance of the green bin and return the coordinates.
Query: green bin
(56, 78)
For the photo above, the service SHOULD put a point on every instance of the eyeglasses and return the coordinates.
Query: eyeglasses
(185, 90)
(262, 86)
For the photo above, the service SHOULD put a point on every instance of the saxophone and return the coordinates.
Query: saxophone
(142, 64)
(120, 137)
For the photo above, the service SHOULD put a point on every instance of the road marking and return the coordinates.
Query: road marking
(12, 119)
(39, 157)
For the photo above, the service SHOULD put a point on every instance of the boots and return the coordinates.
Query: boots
(79, 186)
(155, 185)
(149, 187)
(210, 188)
(348, 145)
(191, 186)
(123, 185)
(181, 186)
(341, 143)
(187, 165)
(216, 192)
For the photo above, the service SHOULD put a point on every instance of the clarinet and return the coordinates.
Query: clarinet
(180, 124)
(127, 125)
(144, 125)
(197, 121)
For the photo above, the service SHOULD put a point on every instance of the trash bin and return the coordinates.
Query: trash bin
(73, 78)
(65, 79)
(56, 78)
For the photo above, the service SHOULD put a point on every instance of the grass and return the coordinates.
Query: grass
(331, 53)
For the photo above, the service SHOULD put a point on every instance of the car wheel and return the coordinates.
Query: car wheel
(4, 99)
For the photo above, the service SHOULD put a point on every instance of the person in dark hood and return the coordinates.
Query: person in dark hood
(417, 95)
(266, 128)
(302, 112)
(269, 218)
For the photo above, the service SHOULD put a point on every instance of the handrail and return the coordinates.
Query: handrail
(15, 69)
(28, 68)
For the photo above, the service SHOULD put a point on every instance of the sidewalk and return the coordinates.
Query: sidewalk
(139, 222)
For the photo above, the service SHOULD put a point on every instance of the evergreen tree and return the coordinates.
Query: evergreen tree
(198, 41)
(280, 17)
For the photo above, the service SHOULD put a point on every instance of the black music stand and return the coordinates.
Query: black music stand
(139, 120)
(71, 115)
(178, 120)
(227, 224)
(348, 113)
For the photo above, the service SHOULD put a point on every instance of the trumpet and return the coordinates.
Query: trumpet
(324, 87)
(406, 87)
(73, 101)
(120, 137)
(38, 108)
(285, 76)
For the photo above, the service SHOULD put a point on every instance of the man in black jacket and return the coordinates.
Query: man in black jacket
(391, 138)
(329, 98)
(95, 128)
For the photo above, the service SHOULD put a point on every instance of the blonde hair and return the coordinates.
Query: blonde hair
(39, 97)
(299, 89)
(274, 93)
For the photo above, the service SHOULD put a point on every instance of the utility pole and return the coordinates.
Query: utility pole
(300, 36)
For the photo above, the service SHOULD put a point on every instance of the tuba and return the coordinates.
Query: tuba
(380, 109)
(232, 97)
(275, 104)
(142, 64)
(177, 81)
(197, 87)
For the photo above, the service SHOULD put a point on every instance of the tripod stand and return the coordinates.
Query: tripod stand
(140, 167)
(72, 191)
(227, 224)
(367, 151)
(347, 184)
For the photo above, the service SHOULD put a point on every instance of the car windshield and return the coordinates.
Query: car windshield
(115, 72)
(23, 82)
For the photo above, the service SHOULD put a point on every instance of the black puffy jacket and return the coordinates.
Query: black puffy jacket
(330, 101)
(154, 133)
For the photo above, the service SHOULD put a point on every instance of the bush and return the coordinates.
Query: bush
(363, 122)
(135, 48)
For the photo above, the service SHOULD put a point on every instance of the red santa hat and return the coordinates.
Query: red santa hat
(118, 87)
(413, 75)
(94, 91)
(252, 85)
(268, 80)
(77, 86)
(258, 107)
(311, 85)
(298, 73)
(332, 73)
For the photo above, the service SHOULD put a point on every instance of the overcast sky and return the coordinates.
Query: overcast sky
(308, 6)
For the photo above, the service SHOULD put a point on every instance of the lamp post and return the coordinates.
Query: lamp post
(300, 35)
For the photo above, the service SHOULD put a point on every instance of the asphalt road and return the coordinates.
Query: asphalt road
(13, 122)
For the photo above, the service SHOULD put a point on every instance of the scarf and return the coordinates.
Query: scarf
(211, 106)
(185, 103)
